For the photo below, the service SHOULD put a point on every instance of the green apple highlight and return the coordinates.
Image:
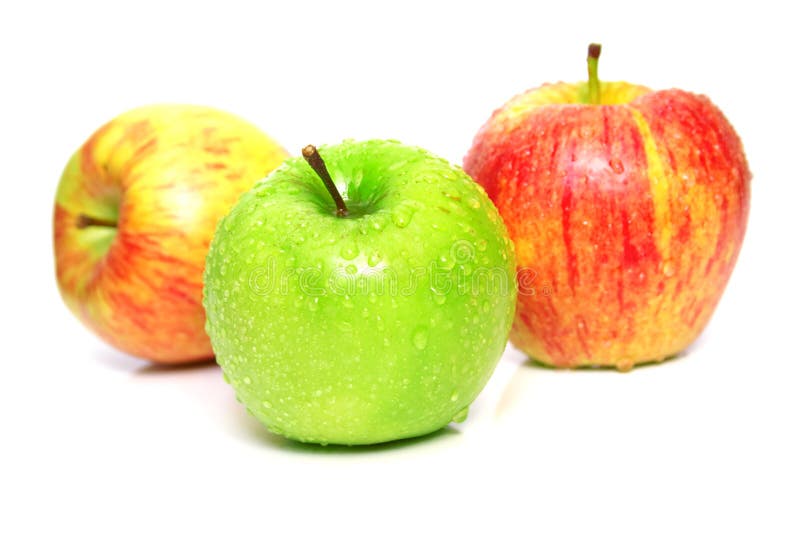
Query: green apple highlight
(370, 309)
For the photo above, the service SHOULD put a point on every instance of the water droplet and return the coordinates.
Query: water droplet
(454, 396)
(373, 259)
(266, 404)
(461, 416)
(473, 203)
(420, 337)
(247, 380)
(481, 244)
(617, 166)
(439, 297)
(668, 269)
(313, 304)
(401, 219)
(446, 262)
(351, 269)
(377, 223)
(349, 251)
(624, 365)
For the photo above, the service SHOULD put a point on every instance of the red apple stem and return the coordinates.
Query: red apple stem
(594, 82)
(316, 162)
(84, 221)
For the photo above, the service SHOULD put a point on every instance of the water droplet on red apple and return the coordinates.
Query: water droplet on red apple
(617, 166)
(668, 268)
(624, 365)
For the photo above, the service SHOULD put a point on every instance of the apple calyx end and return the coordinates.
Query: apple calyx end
(315, 161)
(85, 221)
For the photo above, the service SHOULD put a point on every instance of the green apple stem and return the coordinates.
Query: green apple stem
(85, 221)
(594, 82)
(315, 161)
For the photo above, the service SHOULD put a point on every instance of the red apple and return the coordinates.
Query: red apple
(135, 212)
(627, 207)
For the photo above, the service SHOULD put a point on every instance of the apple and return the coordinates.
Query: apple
(627, 207)
(135, 211)
(360, 298)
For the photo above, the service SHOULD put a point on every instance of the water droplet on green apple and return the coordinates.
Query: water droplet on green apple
(266, 404)
(313, 303)
(349, 251)
(247, 380)
(439, 297)
(351, 269)
(446, 262)
(373, 259)
(420, 337)
(461, 416)
(454, 396)
(401, 218)
(481, 245)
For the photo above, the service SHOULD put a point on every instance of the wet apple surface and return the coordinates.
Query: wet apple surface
(379, 320)
(630, 205)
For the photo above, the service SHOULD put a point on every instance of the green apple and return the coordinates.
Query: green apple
(362, 299)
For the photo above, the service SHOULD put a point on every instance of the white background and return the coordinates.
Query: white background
(96, 441)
